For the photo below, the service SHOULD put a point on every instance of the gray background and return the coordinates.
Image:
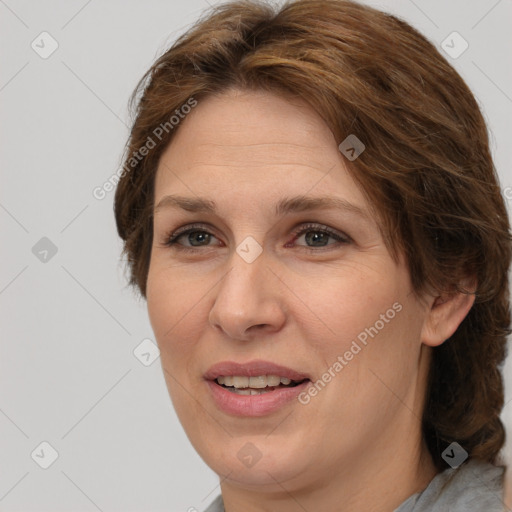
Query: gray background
(69, 376)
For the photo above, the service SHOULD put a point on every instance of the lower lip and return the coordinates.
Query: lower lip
(254, 405)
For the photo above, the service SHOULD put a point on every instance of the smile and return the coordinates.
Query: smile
(256, 388)
(243, 385)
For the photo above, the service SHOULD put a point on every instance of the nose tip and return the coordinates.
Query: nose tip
(240, 328)
(247, 302)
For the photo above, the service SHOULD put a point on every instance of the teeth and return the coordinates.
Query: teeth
(242, 391)
(273, 380)
(240, 382)
(260, 382)
(249, 391)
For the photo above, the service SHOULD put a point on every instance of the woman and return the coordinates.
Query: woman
(310, 208)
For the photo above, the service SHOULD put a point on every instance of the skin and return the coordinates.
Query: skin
(508, 489)
(357, 445)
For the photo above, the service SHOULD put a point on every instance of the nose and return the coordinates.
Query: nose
(249, 301)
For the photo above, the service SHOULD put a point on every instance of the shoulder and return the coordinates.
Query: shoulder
(475, 486)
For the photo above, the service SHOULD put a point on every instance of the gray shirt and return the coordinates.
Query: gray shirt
(473, 487)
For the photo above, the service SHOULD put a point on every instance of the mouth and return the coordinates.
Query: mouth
(252, 386)
(255, 388)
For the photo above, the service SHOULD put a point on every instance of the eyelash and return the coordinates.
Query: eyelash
(171, 240)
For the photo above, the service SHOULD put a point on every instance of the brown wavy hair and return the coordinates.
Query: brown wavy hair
(427, 169)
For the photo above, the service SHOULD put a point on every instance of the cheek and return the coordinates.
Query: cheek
(177, 319)
(349, 300)
(173, 308)
(368, 316)
(374, 351)
(160, 304)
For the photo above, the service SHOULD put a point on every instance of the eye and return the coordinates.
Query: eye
(189, 238)
(318, 235)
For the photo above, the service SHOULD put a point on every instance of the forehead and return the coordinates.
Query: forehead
(253, 142)
(240, 125)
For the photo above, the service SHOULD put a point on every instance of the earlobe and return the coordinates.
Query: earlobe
(446, 313)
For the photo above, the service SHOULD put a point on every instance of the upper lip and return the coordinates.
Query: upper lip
(253, 368)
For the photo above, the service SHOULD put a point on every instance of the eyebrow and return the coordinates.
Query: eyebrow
(285, 205)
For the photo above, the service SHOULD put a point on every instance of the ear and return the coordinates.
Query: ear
(446, 312)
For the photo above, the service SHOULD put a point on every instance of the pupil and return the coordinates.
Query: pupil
(316, 236)
(199, 236)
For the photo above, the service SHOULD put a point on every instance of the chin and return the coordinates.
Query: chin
(253, 461)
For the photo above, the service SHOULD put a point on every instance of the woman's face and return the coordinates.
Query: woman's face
(284, 264)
